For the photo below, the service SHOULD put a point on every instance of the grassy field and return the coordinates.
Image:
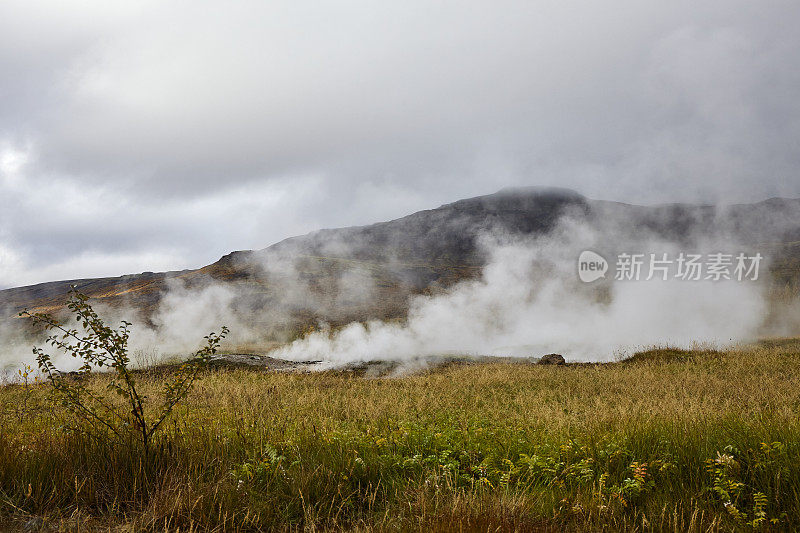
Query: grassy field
(669, 440)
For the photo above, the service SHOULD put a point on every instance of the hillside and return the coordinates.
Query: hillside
(423, 252)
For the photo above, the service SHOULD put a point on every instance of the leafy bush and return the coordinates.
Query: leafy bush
(99, 346)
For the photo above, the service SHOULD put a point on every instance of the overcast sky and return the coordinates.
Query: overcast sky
(160, 135)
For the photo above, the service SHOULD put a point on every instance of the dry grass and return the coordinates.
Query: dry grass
(670, 440)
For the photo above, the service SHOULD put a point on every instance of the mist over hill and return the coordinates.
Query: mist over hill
(358, 274)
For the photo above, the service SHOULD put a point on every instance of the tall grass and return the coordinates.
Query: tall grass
(668, 440)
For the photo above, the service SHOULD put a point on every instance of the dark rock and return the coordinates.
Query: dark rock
(34, 524)
(552, 359)
(259, 362)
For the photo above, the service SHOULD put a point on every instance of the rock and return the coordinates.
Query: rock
(255, 361)
(552, 359)
(34, 524)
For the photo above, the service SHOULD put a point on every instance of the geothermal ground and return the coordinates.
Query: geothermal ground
(387, 378)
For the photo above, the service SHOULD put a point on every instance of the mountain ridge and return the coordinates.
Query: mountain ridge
(425, 251)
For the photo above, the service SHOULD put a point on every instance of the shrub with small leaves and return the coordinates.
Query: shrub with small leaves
(101, 347)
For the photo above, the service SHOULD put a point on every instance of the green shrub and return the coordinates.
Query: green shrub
(101, 347)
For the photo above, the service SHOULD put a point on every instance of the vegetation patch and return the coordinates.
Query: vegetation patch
(669, 440)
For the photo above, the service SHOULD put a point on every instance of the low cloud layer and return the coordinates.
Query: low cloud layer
(157, 136)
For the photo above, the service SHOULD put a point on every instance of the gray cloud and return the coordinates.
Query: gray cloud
(155, 136)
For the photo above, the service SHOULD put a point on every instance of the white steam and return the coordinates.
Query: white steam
(529, 302)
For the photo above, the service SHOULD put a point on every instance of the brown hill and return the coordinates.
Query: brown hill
(423, 252)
